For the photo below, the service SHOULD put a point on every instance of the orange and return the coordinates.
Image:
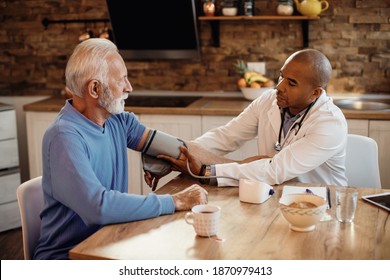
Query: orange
(269, 83)
(255, 85)
(241, 83)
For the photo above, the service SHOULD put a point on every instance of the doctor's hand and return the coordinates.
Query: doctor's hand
(190, 197)
(180, 164)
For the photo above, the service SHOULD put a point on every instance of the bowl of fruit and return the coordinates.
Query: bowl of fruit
(252, 84)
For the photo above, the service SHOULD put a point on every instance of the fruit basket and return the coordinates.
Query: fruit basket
(251, 83)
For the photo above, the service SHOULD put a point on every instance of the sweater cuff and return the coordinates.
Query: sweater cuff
(167, 205)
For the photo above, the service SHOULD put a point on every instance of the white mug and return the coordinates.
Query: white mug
(204, 218)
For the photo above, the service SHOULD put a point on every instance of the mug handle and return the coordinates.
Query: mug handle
(189, 217)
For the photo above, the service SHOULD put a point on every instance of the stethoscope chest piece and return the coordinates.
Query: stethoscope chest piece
(277, 146)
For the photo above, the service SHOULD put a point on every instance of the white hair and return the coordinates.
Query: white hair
(87, 62)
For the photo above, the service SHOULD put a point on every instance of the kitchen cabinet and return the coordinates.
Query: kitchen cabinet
(359, 127)
(9, 169)
(380, 132)
(36, 125)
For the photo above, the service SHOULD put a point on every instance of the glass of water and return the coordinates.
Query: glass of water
(346, 201)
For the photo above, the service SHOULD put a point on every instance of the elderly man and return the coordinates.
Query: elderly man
(85, 160)
(301, 134)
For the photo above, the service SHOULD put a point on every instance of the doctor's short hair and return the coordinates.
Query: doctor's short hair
(88, 62)
(319, 63)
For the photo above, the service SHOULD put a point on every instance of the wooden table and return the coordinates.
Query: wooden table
(247, 231)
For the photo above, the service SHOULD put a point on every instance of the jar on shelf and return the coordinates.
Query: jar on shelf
(229, 8)
(208, 8)
(285, 7)
(249, 7)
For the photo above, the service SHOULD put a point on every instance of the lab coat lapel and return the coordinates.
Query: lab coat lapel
(274, 117)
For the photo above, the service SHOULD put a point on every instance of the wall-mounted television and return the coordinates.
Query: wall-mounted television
(155, 29)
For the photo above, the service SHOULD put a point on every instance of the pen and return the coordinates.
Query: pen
(328, 196)
(309, 191)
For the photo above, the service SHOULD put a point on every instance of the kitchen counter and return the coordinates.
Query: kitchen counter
(202, 106)
(230, 104)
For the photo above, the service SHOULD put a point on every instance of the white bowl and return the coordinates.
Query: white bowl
(229, 11)
(253, 93)
(302, 219)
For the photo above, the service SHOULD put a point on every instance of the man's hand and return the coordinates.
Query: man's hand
(180, 164)
(151, 180)
(190, 197)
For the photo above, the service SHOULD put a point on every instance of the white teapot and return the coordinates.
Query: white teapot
(311, 7)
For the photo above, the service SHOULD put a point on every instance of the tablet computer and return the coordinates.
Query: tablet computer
(380, 199)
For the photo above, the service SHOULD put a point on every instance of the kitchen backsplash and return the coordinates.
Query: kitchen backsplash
(354, 34)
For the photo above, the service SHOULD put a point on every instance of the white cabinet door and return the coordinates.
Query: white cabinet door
(134, 171)
(185, 127)
(36, 125)
(359, 127)
(9, 153)
(380, 132)
(247, 150)
(9, 171)
(7, 124)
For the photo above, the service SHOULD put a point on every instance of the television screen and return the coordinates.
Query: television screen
(155, 29)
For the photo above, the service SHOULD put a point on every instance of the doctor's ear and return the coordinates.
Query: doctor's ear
(317, 92)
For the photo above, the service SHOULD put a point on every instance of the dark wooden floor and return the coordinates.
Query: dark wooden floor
(11, 245)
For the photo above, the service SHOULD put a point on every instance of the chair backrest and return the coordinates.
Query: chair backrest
(362, 164)
(30, 200)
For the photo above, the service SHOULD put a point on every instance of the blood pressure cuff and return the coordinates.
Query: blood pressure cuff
(160, 143)
(156, 166)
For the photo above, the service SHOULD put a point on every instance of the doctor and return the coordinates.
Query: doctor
(301, 134)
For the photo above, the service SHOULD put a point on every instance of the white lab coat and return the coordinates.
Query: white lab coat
(315, 155)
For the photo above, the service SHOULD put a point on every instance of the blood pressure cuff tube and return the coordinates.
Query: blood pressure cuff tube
(160, 143)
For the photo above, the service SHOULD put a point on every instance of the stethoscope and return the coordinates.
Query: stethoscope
(277, 145)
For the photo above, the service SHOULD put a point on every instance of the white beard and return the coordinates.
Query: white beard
(113, 106)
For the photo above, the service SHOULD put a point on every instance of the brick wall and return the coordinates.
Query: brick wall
(354, 34)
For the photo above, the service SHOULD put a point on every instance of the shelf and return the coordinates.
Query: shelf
(259, 18)
(214, 23)
(46, 22)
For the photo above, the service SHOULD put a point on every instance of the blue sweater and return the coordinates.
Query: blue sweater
(85, 180)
